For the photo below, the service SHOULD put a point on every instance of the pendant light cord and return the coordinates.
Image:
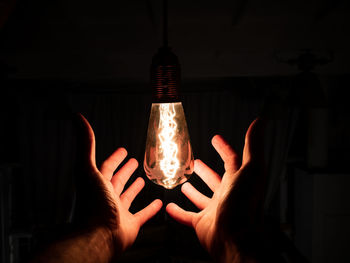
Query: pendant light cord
(165, 23)
(165, 68)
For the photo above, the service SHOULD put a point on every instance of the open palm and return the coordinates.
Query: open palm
(234, 209)
(100, 197)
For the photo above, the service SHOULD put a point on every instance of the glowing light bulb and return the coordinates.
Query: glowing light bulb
(168, 156)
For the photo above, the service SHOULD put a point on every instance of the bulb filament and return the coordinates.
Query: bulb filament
(169, 164)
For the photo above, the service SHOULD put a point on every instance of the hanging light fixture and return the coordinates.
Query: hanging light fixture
(168, 154)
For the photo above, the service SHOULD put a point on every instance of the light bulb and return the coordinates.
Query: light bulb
(168, 155)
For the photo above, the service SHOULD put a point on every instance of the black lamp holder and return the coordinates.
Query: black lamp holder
(165, 69)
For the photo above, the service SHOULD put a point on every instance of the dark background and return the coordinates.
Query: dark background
(238, 58)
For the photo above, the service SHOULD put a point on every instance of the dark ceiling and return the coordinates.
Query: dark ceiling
(83, 40)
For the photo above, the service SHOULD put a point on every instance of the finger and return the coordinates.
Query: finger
(85, 143)
(227, 154)
(180, 215)
(254, 179)
(254, 142)
(122, 176)
(129, 195)
(196, 197)
(112, 162)
(149, 211)
(211, 178)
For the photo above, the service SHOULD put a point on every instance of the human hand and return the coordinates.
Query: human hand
(229, 222)
(101, 201)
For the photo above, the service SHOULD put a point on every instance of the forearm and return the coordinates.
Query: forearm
(95, 245)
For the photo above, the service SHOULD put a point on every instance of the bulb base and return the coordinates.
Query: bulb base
(165, 76)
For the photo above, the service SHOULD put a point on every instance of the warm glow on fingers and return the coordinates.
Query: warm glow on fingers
(209, 176)
(149, 211)
(196, 197)
(180, 215)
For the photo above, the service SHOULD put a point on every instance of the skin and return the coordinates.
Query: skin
(229, 223)
(105, 227)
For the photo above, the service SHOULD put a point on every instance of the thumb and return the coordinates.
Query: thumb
(89, 199)
(254, 143)
(253, 154)
(85, 152)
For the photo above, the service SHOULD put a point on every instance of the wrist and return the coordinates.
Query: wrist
(98, 241)
(91, 244)
(225, 250)
(107, 240)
